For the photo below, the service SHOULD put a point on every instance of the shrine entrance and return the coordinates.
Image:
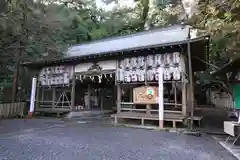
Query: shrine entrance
(95, 91)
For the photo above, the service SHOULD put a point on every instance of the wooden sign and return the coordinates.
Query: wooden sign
(145, 95)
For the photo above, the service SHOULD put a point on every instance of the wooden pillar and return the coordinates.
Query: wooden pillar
(190, 75)
(118, 98)
(89, 97)
(53, 97)
(148, 106)
(101, 99)
(148, 109)
(131, 94)
(184, 86)
(175, 93)
(131, 97)
(184, 99)
(73, 95)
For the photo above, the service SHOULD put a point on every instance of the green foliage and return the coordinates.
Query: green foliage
(221, 20)
(40, 25)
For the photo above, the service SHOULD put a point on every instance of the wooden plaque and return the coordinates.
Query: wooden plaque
(145, 95)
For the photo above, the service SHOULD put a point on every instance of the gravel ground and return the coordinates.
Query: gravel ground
(104, 142)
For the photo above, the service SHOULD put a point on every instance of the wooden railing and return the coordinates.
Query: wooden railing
(130, 107)
(10, 110)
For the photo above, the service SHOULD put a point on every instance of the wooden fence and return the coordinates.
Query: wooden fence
(222, 100)
(10, 110)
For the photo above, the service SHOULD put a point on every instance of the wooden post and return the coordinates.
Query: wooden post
(184, 99)
(175, 94)
(101, 99)
(184, 89)
(73, 91)
(53, 97)
(190, 78)
(145, 60)
(148, 106)
(89, 97)
(118, 98)
(42, 95)
(131, 94)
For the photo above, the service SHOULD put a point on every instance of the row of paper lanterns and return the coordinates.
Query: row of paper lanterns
(138, 75)
(167, 59)
(55, 80)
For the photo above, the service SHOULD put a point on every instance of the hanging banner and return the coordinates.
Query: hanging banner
(33, 96)
(145, 95)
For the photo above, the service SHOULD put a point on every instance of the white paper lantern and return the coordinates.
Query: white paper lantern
(127, 62)
(61, 69)
(121, 64)
(127, 77)
(57, 70)
(150, 60)
(120, 75)
(66, 78)
(48, 80)
(52, 80)
(61, 79)
(150, 75)
(53, 70)
(134, 76)
(44, 70)
(168, 58)
(176, 73)
(167, 74)
(133, 63)
(140, 62)
(48, 70)
(158, 60)
(57, 80)
(141, 75)
(176, 57)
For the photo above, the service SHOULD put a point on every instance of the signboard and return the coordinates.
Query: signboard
(145, 95)
(236, 94)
